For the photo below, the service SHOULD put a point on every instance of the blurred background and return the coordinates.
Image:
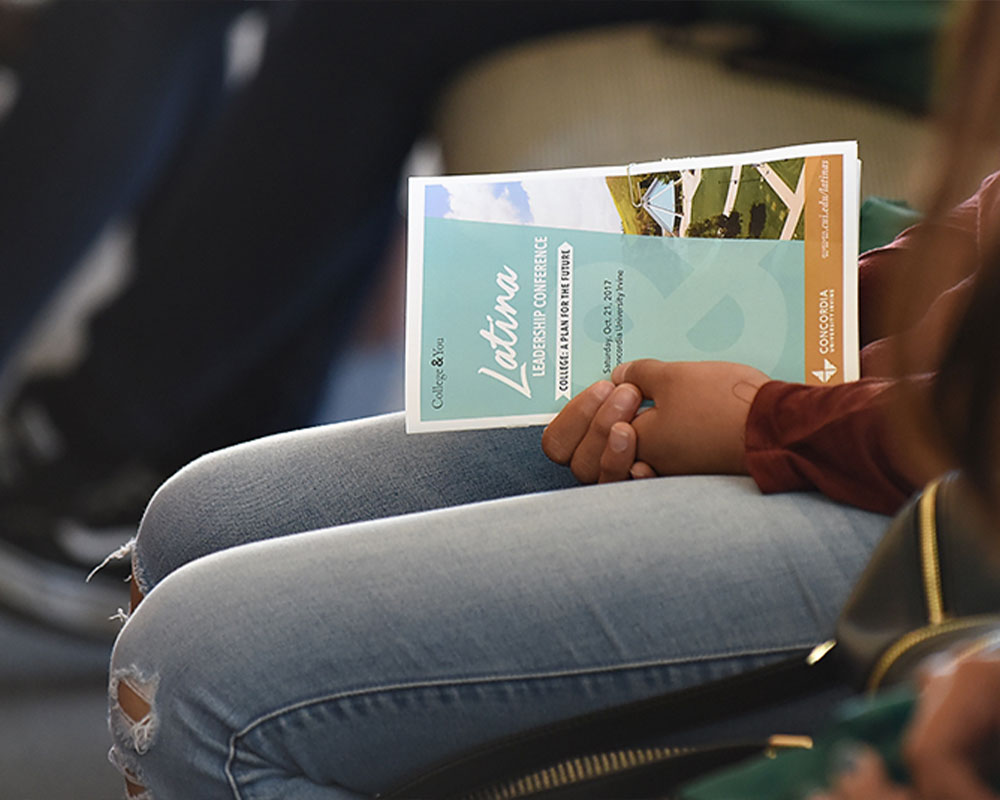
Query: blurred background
(201, 236)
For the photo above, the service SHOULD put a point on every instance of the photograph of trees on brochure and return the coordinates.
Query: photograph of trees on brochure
(746, 201)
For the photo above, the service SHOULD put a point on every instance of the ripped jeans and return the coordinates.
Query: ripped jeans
(328, 611)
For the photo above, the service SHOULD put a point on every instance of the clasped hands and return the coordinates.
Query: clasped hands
(695, 425)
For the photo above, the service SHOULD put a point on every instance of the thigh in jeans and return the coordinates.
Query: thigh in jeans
(331, 475)
(333, 663)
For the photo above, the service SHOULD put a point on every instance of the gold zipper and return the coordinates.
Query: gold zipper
(820, 651)
(929, 554)
(600, 765)
(787, 741)
(915, 637)
(576, 770)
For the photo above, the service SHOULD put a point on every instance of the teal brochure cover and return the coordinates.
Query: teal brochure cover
(524, 289)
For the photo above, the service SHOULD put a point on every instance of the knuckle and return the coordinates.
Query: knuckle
(584, 470)
(645, 423)
(610, 464)
(555, 448)
(549, 444)
(601, 426)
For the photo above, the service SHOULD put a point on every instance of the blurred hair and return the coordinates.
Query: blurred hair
(961, 414)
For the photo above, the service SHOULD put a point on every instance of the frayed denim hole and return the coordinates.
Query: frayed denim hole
(131, 772)
(123, 552)
(139, 573)
(121, 616)
(138, 734)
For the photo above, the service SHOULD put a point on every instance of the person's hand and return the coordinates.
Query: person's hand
(592, 435)
(696, 424)
(861, 775)
(698, 419)
(953, 738)
(955, 733)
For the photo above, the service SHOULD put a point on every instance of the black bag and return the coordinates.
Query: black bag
(602, 754)
(932, 583)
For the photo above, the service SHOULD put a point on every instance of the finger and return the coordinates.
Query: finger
(620, 406)
(866, 774)
(561, 437)
(935, 667)
(952, 780)
(645, 373)
(860, 774)
(954, 718)
(640, 470)
(618, 455)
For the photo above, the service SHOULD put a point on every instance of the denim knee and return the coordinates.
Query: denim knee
(225, 499)
(134, 703)
(160, 715)
(174, 523)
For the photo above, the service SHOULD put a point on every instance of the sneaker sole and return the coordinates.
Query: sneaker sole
(58, 596)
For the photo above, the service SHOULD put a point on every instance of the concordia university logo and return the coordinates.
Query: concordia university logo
(828, 371)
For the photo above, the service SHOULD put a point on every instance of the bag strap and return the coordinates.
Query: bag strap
(615, 727)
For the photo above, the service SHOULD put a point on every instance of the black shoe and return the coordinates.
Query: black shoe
(60, 518)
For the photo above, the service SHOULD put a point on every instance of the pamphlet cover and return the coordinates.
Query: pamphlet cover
(525, 288)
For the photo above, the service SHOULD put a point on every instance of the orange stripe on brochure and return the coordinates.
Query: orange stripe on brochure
(824, 255)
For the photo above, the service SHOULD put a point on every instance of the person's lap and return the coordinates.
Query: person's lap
(319, 661)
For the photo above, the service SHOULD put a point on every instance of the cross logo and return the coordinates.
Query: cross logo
(828, 371)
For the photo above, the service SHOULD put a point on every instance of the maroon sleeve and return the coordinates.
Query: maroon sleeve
(836, 438)
(883, 271)
(830, 438)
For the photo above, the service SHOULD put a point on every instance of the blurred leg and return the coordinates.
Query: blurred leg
(254, 264)
(107, 93)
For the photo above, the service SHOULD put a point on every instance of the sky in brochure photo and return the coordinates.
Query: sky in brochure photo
(579, 203)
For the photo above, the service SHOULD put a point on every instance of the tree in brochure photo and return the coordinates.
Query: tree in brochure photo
(525, 288)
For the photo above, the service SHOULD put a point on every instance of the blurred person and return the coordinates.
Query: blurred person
(952, 745)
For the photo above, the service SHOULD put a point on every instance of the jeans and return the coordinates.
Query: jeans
(330, 610)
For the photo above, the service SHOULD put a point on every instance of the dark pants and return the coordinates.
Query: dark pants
(259, 226)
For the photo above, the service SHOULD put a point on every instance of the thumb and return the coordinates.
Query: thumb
(646, 374)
